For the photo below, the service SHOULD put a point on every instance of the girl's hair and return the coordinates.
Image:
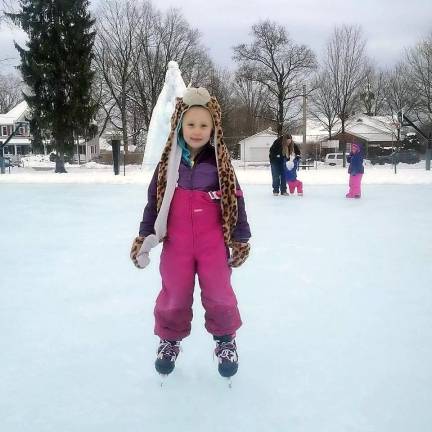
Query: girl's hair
(286, 148)
(291, 147)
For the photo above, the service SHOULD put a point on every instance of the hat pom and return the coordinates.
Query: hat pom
(290, 165)
(196, 96)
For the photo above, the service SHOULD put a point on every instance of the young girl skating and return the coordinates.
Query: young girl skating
(196, 208)
(355, 170)
(291, 168)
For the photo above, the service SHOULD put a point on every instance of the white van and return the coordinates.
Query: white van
(334, 159)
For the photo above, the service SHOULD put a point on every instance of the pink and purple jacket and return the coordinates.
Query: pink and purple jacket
(202, 176)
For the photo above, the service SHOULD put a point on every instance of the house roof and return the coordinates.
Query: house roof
(316, 128)
(370, 133)
(19, 141)
(267, 132)
(378, 128)
(14, 114)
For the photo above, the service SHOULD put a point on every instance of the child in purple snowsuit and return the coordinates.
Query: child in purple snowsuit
(196, 207)
(291, 168)
(355, 170)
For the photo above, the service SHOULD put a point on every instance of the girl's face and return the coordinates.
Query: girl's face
(197, 128)
(355, 149)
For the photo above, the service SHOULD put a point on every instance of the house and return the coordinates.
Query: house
(256, 147)
(20, 144)
(88, 150)
(372, 132)
(377, 131)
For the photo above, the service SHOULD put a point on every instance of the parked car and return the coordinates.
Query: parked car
(402, 155)
(334, 159)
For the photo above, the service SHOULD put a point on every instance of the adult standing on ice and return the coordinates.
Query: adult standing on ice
(278, 155)
(355, 170)
(196, 207)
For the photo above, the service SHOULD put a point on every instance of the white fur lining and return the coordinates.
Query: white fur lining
(160, 225)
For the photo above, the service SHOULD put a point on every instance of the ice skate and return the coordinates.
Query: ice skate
(226, 352)
(167, 354)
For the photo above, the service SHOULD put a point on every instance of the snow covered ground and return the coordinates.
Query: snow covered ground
(38, 170)
(336, 301)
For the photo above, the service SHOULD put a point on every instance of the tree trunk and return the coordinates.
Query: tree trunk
(59, 162)
(342, 142)
(124, 125)
(280, 117)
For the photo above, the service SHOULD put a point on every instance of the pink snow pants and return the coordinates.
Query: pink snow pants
(354, 186)
(195, 245)
(295, 184)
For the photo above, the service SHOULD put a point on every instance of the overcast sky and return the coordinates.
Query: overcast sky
(389, 25)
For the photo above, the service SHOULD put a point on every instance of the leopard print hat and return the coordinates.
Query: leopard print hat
(227, 180)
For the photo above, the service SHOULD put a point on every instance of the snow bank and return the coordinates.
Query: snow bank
(258, 174)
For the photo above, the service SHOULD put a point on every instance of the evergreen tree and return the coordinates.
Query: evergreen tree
(56, 66)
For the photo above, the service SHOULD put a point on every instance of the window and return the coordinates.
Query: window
(339, 156)
(332, 156)
(4, 130)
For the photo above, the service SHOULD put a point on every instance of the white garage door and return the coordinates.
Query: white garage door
(258, 154)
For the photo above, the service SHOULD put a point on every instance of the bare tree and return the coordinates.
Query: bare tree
(322, 105)
(163, 38)
(419, 60)
(347, 64)
(8, 7)
(104, 101)
(379, 85)
(198, 73)
(134, 46)
(11, 91)
(398, 90)
(220, 83)
(254, 99)
(279, 64)
(372, 96)
(116, 47)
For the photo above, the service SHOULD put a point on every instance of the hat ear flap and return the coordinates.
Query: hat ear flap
(177, 112)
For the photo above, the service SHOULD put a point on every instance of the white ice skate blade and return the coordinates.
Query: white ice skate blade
(163, 379)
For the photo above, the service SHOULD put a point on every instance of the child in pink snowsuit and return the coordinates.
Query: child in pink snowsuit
(355, 170)
(291, 168)
(196, 207)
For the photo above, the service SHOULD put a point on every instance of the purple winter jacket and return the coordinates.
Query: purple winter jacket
(203, 176)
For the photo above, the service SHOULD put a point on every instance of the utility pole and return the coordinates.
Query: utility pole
(399, 126)
(429, 152)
